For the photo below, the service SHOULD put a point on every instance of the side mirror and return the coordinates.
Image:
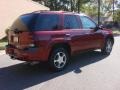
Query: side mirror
(101, 27)
(98, 27)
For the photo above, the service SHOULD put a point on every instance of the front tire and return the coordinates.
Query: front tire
(107, 47)
(58, 59)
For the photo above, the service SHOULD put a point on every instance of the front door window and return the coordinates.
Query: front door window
(87, 23)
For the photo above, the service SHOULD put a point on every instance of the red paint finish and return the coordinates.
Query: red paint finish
(77, 39)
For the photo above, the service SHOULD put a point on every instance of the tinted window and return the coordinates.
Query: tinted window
(70, 22)
(28, 19)
(87, 23)
(46, 22)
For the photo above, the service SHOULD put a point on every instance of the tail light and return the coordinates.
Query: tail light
(15, 39)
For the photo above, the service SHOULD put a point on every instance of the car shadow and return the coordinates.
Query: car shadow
(20, 76)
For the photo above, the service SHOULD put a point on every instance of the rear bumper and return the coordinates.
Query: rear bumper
(31, 54)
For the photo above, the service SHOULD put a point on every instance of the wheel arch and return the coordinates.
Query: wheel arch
(64, 45)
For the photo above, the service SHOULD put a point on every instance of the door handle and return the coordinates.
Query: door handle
(67, 34)
(87, 33)
(67, 37)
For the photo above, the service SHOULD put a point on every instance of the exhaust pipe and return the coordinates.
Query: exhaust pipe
(12, 57)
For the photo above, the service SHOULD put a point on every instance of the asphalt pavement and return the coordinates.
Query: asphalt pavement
(87, 71)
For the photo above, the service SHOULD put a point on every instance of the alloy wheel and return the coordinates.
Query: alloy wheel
(60, 59)
(108, 46)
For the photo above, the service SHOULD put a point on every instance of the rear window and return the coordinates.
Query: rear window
(41, 22)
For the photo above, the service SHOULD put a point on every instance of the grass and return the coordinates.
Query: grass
(4, 39)
(116, 32)
(2, 45)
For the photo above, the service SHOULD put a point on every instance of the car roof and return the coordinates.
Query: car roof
(55, 12)
(58, 12)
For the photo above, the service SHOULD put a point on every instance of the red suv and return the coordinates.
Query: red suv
(54, 36)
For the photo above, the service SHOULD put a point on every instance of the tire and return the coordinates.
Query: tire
(58, 59)
(107, 47)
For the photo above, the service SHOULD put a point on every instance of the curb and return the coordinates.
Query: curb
(2, 52)
(115, 35)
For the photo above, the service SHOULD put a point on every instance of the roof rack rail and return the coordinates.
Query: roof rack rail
(40, 11)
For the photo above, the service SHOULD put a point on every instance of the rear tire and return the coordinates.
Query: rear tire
(58, 59)
(107, 47)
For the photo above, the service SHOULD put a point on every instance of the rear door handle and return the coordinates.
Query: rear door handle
(67, 37)
(87, 33)
(67, 34)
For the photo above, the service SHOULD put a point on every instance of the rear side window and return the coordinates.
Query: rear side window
(46, 22)
(28, 19)
(71, 22)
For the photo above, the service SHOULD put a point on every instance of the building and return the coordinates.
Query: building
(11, 9)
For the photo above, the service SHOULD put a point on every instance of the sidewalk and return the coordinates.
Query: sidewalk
(2, 52)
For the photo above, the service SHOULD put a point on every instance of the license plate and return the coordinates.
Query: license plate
(15, 39)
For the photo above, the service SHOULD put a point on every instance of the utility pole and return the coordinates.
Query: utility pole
(99, 12)
(71, 5)
(78, 6)
(113, 9)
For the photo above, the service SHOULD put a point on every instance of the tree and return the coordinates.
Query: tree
(117, 15)
(66, 5)
(89, 10)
